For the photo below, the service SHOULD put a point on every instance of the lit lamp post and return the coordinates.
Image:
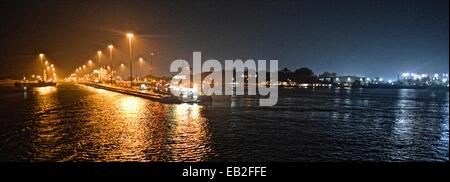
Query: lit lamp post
(45, 70)
(76, 71)
(99, 59)
(90, 66)
(122, 69)
(110, 56)
(122, 66)
(141, 60)
(151, 63)
(130, 36)
(41, 56)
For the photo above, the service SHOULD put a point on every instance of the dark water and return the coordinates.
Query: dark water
(77, 123)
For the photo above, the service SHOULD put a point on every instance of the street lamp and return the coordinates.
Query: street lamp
(130, 36)
(151, 63)
(41, 56)
(122, 68)
(141, 60)
(99, 59)
(110, 56)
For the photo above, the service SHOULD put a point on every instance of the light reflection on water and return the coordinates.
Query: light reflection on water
(107, 126)
(78, 123)
(190, 134)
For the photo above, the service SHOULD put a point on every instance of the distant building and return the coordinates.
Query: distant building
(327, 77)
(422, 80)
(348, 81)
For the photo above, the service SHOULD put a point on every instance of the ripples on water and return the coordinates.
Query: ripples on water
(77, 123)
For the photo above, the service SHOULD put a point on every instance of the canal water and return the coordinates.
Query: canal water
(78, 123)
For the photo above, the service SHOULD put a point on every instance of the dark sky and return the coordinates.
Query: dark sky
(369, 38)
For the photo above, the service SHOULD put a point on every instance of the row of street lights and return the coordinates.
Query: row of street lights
(130, 37)
(45, 66)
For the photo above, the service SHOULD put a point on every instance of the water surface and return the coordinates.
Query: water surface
(78, 123)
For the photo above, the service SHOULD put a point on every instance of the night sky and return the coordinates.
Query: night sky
(367, 38)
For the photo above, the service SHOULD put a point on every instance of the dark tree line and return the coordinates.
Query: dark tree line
(301, 75)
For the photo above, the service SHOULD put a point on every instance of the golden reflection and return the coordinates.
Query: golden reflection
(118, 127)
(190, 134)
(101, 91)
(46, 128)
(132, 133)
(131, 104)
(46, 90)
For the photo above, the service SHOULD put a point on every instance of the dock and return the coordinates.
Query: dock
(163, 98)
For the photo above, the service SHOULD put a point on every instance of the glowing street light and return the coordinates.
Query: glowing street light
(41, 56)
(99, 59)
(130, 36)
(122, 66)
(111, 57)
(151, 62)
(141, 60)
